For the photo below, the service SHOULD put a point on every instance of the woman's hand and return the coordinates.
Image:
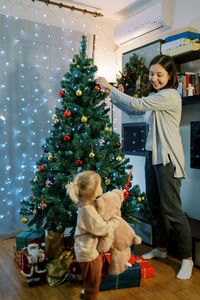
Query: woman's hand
(104, 83)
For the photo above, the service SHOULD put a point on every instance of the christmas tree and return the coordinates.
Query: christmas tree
(81, 139)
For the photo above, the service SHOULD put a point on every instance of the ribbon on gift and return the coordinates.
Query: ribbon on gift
(126, 193)
(117, 282)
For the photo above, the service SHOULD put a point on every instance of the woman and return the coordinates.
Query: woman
(164, 166)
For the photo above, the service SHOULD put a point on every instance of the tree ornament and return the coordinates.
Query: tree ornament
(62, 94)
(43, 204)
(41, 168)
(34, 212)
(118, 145)
(121, 88)
(107, 181)
(119, 158)
(50, 157)
(35, 179)
(48, 183)
(101, 142)
(92, 155)
(79, 163)
(54, 116)
(56, 121)
(139, 199)
(78, 93)
(67, 114)
(44, 150)
(74, 62)
(67, 138)
(24, 220)
(138, 83)
(97, 87)
(106, 128)
(84, 119)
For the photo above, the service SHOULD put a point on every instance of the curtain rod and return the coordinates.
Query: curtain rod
(85, 11)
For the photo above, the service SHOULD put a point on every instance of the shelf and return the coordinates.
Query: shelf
(186, 57)
(191, 100)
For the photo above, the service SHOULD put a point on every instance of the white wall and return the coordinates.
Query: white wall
(186, 13)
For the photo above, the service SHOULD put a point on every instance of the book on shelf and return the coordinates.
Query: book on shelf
(188, 84)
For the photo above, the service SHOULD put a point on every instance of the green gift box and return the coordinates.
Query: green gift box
(131, 277)
(25, 237)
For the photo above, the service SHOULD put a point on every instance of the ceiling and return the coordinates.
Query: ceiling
(112, 9)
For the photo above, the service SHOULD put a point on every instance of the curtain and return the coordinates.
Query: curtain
(33, 59)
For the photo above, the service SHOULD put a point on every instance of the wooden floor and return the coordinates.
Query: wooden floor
(163, 286)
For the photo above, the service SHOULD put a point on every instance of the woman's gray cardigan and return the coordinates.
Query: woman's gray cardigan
(166, 105)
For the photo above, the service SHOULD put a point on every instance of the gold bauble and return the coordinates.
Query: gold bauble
(35, 179)
(84, 119)
(139, 199)
(24, 220)
(92, 155)
(119, 158)
(56, 121)
(78, 93)
(50, 157)
(34, 212)
(107, 181)
(106, 128)
(54, 116)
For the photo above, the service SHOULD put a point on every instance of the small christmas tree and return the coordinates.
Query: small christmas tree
(80, 140)
(133, 80)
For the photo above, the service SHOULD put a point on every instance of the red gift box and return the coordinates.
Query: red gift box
(147, 270)
(19, 257)
(131, 260)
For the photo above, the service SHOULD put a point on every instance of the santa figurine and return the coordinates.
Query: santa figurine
(34, 264)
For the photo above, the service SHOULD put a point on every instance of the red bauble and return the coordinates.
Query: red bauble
(67, 114)
(66, 138)
(118, 145)
(41, 168)
(62, 94)
(97, 87)
(44, 150)
(79, 163)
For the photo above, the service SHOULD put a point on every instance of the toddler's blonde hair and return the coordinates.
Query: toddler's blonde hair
(82, 189)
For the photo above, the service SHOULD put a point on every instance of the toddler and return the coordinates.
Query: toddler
(90, 226)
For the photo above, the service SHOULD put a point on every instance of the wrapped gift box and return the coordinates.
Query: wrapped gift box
(129, 278)
(147, 271)
(25, 237)
(19, 257)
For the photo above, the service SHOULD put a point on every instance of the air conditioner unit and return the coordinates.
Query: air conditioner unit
(157, 16)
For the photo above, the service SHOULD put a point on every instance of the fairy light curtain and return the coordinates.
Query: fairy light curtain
(33, 58)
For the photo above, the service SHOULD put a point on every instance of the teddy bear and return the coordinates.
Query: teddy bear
(119, 241)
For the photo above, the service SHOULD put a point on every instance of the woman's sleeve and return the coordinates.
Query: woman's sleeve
(163, 100)
(92, 222)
